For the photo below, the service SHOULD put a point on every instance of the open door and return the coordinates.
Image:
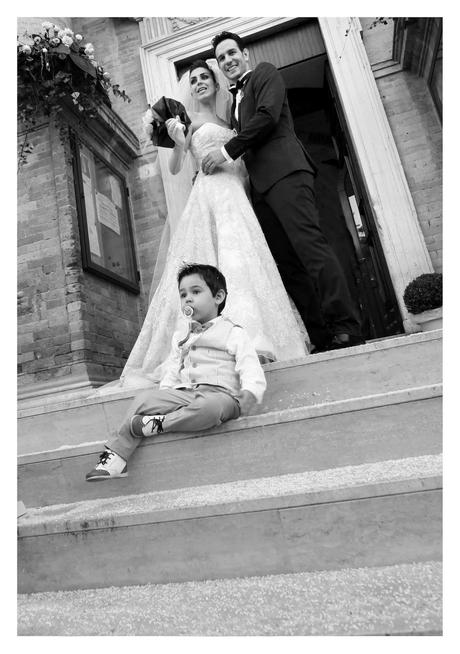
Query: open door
(345, 214)
(376, 294)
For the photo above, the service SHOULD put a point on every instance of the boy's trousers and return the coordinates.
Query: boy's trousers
(185, 410)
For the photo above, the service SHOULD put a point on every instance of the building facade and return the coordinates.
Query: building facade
(366, 98)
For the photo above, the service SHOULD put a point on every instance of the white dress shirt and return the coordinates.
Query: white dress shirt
(239, 96)
(246, 363)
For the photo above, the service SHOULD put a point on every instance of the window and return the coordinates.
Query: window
(103, 213)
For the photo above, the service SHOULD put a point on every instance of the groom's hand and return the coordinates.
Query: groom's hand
(211, 161)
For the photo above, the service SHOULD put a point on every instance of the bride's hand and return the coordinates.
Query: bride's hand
(176, 131)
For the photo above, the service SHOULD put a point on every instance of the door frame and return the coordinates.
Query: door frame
(372, 140)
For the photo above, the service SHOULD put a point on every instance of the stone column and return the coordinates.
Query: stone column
(395, 216)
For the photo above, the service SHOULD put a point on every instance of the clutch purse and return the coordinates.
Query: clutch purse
(157, 116)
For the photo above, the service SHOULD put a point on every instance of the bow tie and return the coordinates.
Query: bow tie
(239, 85)
(196, 327)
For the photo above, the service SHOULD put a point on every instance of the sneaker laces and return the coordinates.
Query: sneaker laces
(104, 457)
(156, 423)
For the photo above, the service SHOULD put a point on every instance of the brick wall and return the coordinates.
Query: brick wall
(72, 322)
(117, 49)
(417, 131)
(32, 25)
(416, 128)
(49, 270)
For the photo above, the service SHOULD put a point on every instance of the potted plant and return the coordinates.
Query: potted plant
(56, 67)
(423, 299)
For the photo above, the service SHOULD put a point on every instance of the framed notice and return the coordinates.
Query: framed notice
(105, 223)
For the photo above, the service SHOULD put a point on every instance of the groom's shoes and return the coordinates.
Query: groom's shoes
(340, 341)
(317, 349)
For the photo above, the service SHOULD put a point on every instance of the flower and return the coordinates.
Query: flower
(65, 32)
(50, 76)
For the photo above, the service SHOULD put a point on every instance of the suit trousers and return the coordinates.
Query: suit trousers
(308, 266)
(184, 409)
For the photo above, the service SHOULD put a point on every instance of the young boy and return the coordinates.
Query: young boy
(212, 375)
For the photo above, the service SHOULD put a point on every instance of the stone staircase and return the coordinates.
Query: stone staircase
(339, 470)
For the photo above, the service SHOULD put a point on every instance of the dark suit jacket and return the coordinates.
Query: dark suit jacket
(266, 137)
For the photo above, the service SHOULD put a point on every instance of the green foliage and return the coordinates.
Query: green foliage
(424, 293)
(56, 66)
(379, 21)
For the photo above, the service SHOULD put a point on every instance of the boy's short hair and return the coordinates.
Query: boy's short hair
(209, 274)
(223, 36)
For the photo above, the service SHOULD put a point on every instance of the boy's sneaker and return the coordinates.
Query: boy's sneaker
(144, 426)
(110, 466)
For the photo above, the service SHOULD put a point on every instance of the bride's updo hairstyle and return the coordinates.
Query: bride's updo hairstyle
(201, 63)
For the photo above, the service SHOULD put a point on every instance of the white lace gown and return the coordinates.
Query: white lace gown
(218, 227)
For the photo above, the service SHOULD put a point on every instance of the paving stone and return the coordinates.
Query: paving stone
(400, 599)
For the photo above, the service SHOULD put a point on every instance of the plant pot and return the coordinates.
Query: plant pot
(429, 320)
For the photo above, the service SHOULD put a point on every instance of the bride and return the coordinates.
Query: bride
(217, 227)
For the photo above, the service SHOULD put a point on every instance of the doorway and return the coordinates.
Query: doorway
(297, 49)
(345, 214)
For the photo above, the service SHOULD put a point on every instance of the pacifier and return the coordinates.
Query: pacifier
(187, 311)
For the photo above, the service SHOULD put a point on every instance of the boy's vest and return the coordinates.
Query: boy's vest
(207, 361)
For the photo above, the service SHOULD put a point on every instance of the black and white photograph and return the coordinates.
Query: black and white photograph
(230, 326)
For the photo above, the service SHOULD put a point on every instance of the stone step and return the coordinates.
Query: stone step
(403, 599)
(373, 514)
(377, 367)
(359, 430)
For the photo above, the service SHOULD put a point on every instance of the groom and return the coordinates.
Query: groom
(282, 173)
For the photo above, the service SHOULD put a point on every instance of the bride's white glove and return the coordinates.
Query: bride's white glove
(176, 131)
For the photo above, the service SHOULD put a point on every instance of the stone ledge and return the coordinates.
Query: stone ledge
(414, 474)
(87, 397)
(275, 417)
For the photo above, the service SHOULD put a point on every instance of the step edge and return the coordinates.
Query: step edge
(368, 348)
(280, 416)
(376, 345)
(356, 492)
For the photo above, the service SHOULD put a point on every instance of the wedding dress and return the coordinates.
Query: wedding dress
(218, 227)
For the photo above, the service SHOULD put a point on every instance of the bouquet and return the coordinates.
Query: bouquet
(155, 119)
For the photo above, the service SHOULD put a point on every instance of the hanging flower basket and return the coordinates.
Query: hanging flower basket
(56, 67)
